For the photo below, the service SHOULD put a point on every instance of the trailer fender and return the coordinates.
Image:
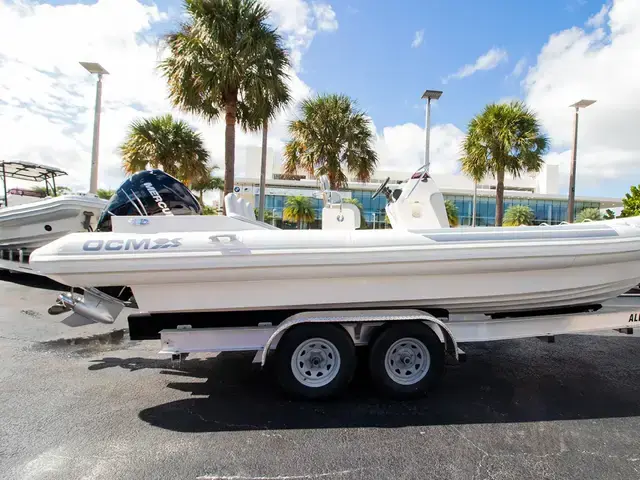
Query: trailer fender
(360, 316)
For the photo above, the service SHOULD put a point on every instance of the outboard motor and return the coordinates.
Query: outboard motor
(145, 193)
(148, 193)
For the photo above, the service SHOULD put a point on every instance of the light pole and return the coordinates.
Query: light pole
(572, 174)
(373, 215)
(435, 95)
(100, 71)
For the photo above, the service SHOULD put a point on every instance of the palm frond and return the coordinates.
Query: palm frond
(298, 209)
(331, 137)
(226, 59)
(163, 142)
(503, 138)
(518, 215)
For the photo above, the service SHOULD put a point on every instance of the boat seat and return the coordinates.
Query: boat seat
(240, 209)
(238, 206)
(336, 218)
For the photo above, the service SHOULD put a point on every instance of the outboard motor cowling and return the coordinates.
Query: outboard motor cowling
(149, 193)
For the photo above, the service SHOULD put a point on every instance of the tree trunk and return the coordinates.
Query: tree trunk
(263, 169)
(332, 180)
(201, 199)
(499, 198)
(229, 145)
(300, 224)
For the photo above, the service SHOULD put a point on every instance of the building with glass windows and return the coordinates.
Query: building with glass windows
(539, 192)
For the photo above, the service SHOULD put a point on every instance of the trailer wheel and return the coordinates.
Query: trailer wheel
(406, 360)
(315, 361)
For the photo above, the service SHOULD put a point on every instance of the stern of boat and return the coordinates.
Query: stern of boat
(93, 305)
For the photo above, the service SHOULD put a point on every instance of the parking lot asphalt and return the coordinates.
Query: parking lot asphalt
(516, 409)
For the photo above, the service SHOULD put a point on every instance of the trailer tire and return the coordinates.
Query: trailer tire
(315, 361)
(406, 360)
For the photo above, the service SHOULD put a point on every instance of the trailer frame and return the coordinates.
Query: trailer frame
(363, 327)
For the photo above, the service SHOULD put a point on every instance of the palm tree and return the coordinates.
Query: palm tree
(105, 194)
(517, 215)
(268, 215)
(452, 213)
(224, 55)
(331, 135)
(167, 143)
(503, 138)
(208, 210)
(299, 209)
(589, 214)
(207, 183)
(264, 105)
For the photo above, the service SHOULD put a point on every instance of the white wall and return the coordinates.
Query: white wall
(549, 180)
(253, 160)
(546, 182)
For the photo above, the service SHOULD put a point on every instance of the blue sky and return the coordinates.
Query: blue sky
(367, 49)
(370, 56)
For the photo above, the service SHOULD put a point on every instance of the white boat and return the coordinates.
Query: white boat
(193, 263)
(30, 219)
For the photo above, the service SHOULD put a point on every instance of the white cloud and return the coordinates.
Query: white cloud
(600, 65)
(598, 19)
(47, 98)
(299, 21)
(487, 61)
(325, 17)
(401, 147)
(418, 38)
(518, 69)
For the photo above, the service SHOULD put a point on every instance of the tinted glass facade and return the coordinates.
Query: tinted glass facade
(551, 212)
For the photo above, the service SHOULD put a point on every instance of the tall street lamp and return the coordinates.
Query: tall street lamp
(100, 71)
(429, 95)
(572, 175)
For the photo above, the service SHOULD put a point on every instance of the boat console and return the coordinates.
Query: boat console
(337, 215)
(418, 206)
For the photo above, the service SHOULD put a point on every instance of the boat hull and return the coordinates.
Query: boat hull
(32, 225)
(484, 270)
